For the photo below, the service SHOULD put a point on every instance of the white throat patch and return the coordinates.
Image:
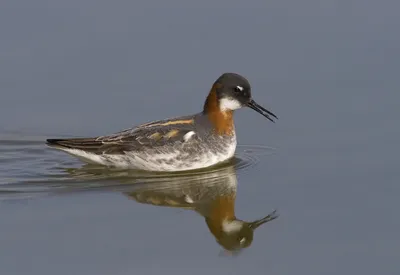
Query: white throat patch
(229, 104)
(231, 226)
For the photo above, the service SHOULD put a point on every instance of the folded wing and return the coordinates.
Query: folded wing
(137, 139)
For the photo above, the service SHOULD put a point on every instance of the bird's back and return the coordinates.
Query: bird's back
(181, 143)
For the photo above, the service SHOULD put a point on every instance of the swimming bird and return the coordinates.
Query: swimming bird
(212, 195)
(182, 143)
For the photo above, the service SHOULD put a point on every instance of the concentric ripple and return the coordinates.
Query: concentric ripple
(250, 155)
(28, 166)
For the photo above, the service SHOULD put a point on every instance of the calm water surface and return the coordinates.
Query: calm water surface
(329, 166)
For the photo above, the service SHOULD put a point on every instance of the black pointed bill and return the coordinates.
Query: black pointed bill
(253, 105)
(257, 223)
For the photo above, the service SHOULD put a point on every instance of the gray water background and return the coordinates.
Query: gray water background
(328, 69)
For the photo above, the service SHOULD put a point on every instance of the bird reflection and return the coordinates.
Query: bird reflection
(210, 193)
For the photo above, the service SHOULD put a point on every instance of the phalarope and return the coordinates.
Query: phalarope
(177, 144)
(212, 195)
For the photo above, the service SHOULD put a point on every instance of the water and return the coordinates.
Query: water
(329, 166)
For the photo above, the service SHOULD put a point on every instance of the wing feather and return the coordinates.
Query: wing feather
(154, 134)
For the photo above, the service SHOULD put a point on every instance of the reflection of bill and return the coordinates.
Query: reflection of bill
(212, 195)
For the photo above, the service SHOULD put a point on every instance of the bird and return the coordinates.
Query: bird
(184, 143)
(212, 195)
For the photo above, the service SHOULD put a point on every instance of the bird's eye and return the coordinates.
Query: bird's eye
(242, 240)
(239, 89)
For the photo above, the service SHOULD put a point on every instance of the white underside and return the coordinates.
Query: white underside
(156, 162)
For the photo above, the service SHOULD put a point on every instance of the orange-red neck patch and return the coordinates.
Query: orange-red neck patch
(221, 120)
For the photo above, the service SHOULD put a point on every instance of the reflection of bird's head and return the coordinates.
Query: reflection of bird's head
(233, 234)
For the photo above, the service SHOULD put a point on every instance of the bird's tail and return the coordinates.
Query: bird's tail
(86, 144)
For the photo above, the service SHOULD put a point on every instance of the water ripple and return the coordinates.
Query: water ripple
(29, 166)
